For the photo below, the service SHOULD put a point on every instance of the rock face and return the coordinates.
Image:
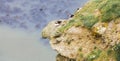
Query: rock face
(63, 58)
(92, 34)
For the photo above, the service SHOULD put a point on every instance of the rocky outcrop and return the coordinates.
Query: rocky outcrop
(92, 34)
(63, 58)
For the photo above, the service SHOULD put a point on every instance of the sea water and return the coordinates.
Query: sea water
(18, 45)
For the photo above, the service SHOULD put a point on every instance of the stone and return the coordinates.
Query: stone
(92, 34)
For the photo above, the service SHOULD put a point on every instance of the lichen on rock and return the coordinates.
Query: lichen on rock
(92, 34)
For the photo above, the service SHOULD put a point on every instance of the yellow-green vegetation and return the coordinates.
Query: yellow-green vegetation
(109, 54)
(70, 23)
(93, 12)
(117, 51)
(93, 55)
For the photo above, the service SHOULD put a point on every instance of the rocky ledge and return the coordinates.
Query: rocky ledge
(92, 34)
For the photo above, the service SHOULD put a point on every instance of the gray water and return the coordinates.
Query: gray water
(21, 22)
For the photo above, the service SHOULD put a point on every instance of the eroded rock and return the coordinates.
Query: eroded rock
(90, 35)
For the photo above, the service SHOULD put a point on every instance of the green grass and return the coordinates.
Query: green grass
(105, 55)
(117, 51)
(67, 26)
(93, 55)
(108, 10)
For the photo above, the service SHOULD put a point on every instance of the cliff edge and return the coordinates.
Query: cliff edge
(91, 34)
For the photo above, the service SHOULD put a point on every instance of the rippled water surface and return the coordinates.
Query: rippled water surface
(21, 22)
